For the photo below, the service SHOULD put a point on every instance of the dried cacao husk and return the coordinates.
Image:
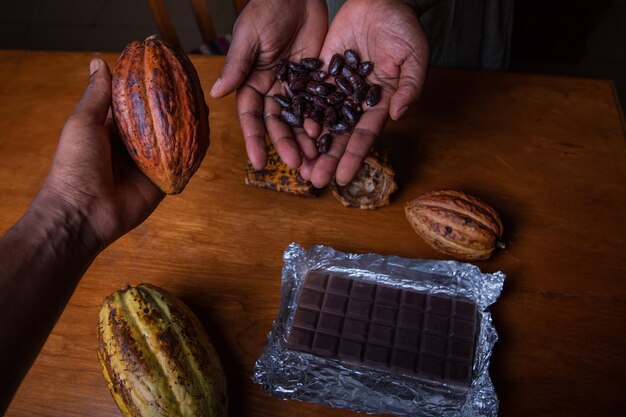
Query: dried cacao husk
(373, 184)
(277, 176)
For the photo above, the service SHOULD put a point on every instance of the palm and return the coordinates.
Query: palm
(292, 31)
(389, 35)
(99, 178)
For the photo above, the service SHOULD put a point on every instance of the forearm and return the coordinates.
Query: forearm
(42, 258)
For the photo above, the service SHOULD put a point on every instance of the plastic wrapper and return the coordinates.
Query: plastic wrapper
(291, 374)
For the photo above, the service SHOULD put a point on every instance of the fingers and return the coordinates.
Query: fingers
(325, 166)
(363, 137)
(346, 153)
(250, 105)
(241, 56)
(96, 100)
(410, 84)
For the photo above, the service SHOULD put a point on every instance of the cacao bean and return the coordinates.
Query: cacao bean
(335, 98)
(324, 142)
(320, 101)
(373, 95)
(330, 117)
(297, 105)
(317, 114)
(282, 100)
(360, 93)
(365, 69)
(308, 108)
(295, 67)
(311, 88)
(282, 68)
(339, 128)
(297, 81)
(324, 89)
(356, 81)
(352, 59)
(348, 115)
(311, 63)
(336, 64)
(344, 85)
(346, 71)
(318, 76)
(291, 118)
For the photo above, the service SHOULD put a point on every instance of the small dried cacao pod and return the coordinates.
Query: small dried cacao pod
(456, 224)
(159, 107)
(157, 358)
(372, 185)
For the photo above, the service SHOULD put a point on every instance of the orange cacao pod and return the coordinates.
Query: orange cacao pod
(456, 224)
(159, 107)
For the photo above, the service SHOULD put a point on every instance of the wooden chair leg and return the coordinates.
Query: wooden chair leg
(164, 22)
(204, 20)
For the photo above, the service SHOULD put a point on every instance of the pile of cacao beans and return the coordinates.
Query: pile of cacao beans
(336, 103)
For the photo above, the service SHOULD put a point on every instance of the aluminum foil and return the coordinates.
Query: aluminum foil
(290, 374)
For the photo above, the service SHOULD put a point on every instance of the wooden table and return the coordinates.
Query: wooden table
(549, 153)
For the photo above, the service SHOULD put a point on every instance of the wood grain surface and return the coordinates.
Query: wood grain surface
(548, 153)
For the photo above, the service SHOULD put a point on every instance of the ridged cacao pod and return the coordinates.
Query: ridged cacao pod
(159, 107)
(456, 224)
(157, 358)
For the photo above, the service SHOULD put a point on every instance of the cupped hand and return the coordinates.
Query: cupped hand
(92, 172)
(389, 34)
(265, 32)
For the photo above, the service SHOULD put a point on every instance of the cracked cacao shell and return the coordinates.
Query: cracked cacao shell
(159, 107)
(373, 184)
(456, 224)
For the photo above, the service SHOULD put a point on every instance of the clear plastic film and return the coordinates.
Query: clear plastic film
(290, 374)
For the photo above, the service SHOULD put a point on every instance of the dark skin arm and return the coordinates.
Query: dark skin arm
(93, 195)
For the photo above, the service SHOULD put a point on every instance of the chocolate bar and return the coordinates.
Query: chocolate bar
(428, 336)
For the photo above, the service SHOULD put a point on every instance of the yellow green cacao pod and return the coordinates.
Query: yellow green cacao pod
(157, 358)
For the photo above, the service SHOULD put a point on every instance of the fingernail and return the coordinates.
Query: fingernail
(216, 86)
(401, 112)
(94, 65)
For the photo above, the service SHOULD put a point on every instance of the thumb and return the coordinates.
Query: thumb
(412, 76)
(94, 105)
(241, 56)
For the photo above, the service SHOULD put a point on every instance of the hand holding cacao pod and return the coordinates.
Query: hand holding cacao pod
(456, 224)
(159, 107)
(157, 358)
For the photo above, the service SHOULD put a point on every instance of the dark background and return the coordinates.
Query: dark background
(566, 37)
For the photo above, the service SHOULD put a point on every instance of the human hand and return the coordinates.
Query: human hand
(389, 34)
(266, 31)
(92, 173)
